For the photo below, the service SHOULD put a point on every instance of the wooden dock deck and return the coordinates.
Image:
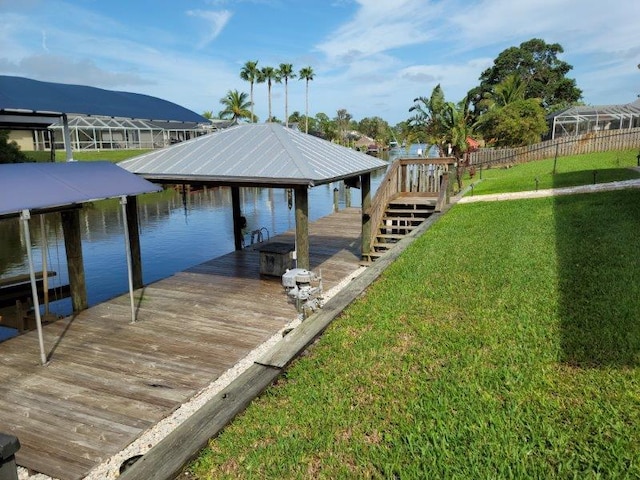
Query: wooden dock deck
(109, 380)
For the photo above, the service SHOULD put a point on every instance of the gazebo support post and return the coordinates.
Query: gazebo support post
(73, 246)
(237, 217)
(365, 188)
(67, 138)
(302, 227)
(134, 240)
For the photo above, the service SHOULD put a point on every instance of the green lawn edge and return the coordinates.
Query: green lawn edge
(503, 343)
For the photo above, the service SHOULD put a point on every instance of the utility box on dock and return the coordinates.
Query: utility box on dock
(275, 258)
(9, 445)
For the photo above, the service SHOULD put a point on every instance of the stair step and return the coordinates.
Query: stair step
(427, 211)
(423, 201)
(404, 219)
(391, 236)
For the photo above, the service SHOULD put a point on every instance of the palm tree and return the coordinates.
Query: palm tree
(286, 72)
(250, 73)
(236, 106)
(306, 74)
(269, 75)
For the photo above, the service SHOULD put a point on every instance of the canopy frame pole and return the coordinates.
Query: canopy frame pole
(24, 217)
(127, 246)
(45, 272)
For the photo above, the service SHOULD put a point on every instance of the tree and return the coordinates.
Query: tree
(307, 75)
(286, 72)
(250, 73)
(327, 128)
(343, 120)
(10, 151)
(208, 114)
(236, 106)
(518, 123)
(543, 74)
(269, 75)
(376, 128)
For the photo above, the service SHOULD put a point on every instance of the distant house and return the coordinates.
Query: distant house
(108, 133)
(579, 120)
(40, 115)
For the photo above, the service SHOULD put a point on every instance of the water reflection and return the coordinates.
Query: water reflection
(176, 232)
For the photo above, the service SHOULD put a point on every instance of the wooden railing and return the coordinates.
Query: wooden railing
(418, 177)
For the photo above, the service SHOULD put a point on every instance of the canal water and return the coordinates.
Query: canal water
(177, 231)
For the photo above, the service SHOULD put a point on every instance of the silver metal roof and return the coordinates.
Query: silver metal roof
(43, 186)
(266, 154)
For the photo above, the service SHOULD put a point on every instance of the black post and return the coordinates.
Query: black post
(9, 445)
(555, 159)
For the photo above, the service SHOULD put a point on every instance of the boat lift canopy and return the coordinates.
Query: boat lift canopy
(27, 188)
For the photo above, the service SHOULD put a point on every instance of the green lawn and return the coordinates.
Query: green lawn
(570, 171)
(504, 343)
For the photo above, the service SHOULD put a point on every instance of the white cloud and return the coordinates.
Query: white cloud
(216, 21)
(378, 27)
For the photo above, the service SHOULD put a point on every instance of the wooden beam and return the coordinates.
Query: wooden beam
(237, 217)
(302, 227)
(365, 185)
(134, 241)
(75, 266)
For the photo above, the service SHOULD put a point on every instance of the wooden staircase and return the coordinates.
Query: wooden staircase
(412, 190)
(402, 215)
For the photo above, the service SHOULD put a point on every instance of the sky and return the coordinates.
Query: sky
(370, 57)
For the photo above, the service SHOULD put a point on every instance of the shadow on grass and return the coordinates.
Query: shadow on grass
(589, 177)
(598, 248)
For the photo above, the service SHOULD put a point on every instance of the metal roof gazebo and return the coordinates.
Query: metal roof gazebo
(263, 155)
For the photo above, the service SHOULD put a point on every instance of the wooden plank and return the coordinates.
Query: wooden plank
(109, 380)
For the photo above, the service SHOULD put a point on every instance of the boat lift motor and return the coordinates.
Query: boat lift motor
(304, 288)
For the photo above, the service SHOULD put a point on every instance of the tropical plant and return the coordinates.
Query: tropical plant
(250, 73)
(307, 75)
(236, 106)
(286, 72)
(208, 114)
(269, 75)
(446, 125)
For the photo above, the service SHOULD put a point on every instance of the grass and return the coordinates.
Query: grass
(504, 343)
(570, 171)
(110, 155)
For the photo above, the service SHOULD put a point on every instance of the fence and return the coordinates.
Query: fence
(600, 141)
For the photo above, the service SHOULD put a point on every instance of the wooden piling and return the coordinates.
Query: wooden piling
(302, 227)
(75, 265)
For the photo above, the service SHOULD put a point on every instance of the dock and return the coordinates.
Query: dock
(108, 380)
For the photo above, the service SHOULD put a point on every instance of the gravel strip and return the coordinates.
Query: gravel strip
(550, 192)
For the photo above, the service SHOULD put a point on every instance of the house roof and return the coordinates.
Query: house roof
(266, 154)
(21, 97)
(50, 186)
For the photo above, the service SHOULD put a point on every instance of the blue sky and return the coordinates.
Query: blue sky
(372, 57)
